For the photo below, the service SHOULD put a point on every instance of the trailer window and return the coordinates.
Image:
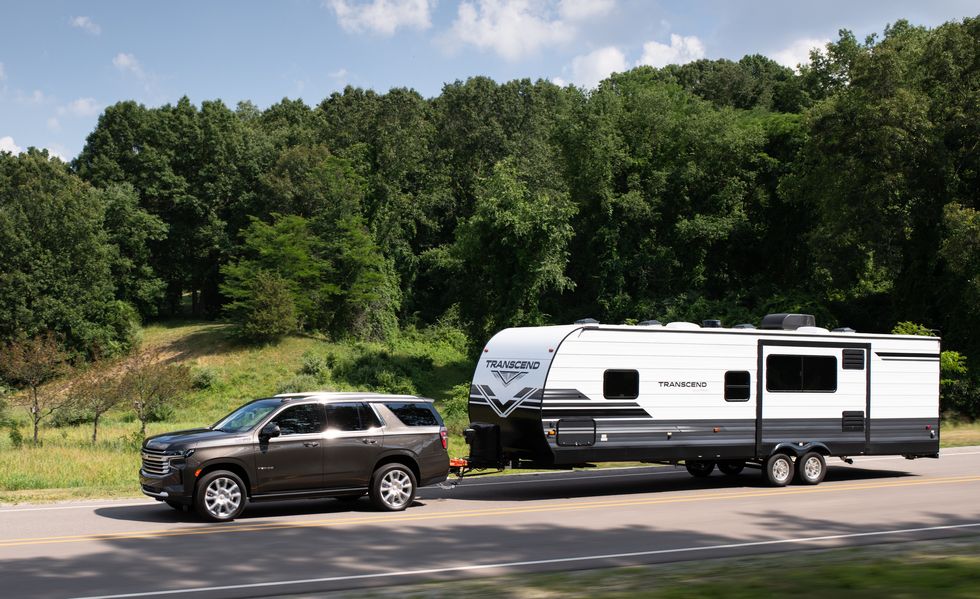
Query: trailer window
(807, 374)
(737, 384)
(621, 384)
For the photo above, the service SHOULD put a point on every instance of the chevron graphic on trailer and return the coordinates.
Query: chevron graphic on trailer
(508, 376)
(503, 406)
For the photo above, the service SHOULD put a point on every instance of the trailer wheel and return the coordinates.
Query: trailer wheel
(778, 469)
(731, 468)
(811, 468)
(699, 468)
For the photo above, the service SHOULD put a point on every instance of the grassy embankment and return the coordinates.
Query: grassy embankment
(935, 569)
(68, 466)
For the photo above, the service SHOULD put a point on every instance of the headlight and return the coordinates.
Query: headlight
(181, 453)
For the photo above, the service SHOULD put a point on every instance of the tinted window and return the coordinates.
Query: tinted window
(351, 417)
(369, 419)
(621, 384)
(737, 384)
(414, 414)
(343, 417)
(301, 420)
(801, 373)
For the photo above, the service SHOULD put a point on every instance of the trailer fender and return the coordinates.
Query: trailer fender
(798, 449)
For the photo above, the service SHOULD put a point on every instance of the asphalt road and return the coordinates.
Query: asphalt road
(486, 526)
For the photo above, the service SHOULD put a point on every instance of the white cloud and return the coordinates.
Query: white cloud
(7, 145)
(57, 150)
(383, 16)
(35, 97)
(798, 52)
(682, 49)
(580, 10)
(559, 81)
(3, 73)
(128, 63)
(511, 28)
(589, 69)
(80, 107)
(54, 124)
(86, 24)
(339, 74)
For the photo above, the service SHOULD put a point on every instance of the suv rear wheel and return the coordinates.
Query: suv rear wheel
(220, 496)
(393, 487)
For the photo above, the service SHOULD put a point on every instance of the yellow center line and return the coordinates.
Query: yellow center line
(551, 507)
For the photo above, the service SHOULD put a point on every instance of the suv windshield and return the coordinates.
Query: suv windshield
(247, 416)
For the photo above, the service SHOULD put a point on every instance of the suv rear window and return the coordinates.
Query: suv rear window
(414, 414)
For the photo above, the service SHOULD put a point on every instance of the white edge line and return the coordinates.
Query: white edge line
(535, 562)
(73, 507)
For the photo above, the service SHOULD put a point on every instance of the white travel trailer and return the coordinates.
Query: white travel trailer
(782, 397)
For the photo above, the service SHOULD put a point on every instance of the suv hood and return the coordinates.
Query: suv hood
(191, 439)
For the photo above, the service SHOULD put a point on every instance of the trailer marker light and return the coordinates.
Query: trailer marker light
(717, 430)
(486, 350)
(551, 350)
(928, 427)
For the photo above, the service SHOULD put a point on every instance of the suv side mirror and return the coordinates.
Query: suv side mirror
(269, 431)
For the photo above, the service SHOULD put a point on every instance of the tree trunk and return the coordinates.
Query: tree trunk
(95, 428)
(143, 428)
(35, 415)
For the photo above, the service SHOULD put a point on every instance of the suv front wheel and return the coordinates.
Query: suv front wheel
(393, 487)
(220, 496)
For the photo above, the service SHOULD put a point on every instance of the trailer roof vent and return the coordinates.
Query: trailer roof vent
(711, 324)
(843, 330)
(787, 322)
(586, 321)
(744, 325)
(684, 326)
(649, 323)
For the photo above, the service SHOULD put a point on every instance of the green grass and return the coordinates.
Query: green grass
(934, 569)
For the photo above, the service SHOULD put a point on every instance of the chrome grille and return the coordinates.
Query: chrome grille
(155, 462)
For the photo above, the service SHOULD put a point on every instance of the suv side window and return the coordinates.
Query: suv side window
(414, 414)
(351, 417)
(303, 419)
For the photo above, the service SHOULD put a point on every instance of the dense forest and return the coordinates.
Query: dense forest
(717, 189)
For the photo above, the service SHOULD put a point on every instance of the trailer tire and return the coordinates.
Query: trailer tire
(699, 468)
(811, 468)
(731, 467)
(778, 469)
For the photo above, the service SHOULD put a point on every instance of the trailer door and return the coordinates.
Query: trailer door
(813, 392)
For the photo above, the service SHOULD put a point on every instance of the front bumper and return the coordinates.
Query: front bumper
(171, 486)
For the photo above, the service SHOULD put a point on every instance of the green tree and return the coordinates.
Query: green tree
(511, 252)
(56, 259)
(289, 249)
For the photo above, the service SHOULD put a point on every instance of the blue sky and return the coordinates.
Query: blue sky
(62, 62)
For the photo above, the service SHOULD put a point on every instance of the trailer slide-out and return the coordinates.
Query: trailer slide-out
(782, 397)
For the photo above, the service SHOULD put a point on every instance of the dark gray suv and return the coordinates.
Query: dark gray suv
(301, 445)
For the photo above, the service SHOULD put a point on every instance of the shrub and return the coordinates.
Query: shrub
(298, 384)
(382, 371)
(71, 416)
(455, 410)
(203, 377)
(270, 312)
(315, 365)
(16, 437)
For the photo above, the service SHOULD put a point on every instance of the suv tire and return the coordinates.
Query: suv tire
(393, 487)
(220, 496)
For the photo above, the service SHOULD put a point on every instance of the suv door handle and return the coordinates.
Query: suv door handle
(369, 441)
(311, 444)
